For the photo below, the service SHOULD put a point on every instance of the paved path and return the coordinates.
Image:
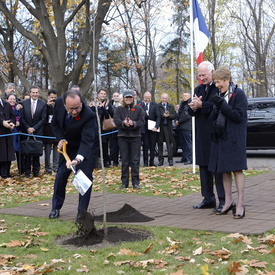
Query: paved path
(177, 212)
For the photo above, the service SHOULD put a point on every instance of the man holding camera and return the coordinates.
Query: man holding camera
(168, 114)
(50, 145)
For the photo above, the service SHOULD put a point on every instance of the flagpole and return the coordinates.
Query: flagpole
(192, 82)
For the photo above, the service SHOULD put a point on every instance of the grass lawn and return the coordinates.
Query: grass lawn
(28, 245)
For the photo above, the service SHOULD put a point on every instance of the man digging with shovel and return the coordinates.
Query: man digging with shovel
(74, 125)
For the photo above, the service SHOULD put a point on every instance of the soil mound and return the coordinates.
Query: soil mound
(126, 214)
(115, 235)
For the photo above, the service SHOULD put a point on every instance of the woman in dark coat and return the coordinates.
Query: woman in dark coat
(228, 147)
(7, 123)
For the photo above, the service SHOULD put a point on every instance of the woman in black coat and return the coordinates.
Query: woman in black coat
(228, 147)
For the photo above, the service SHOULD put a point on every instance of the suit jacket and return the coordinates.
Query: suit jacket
(173, 114)
(154, 114)
(6, 143)
(38, 120)
(203, 124)
(81, 134)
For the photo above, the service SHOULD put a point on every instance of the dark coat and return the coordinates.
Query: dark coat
(202, 123)
(81, 134)
(229, 154)
(170, 108)
(183, 117)
(154, 114)
(6, 143)
(38, 120)
(47, 125)
(136, 114)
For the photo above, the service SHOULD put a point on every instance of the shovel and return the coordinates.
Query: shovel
(80, 181)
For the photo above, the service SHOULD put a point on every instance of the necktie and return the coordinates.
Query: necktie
(207, 89)
(33, 108)
(68, 119)
(146, 108)
(165, 119)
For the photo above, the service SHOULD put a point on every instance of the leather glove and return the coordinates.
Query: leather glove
(218, 100)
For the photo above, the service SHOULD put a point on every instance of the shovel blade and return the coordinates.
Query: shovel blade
(81, 182)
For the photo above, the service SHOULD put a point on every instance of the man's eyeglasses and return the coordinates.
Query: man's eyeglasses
(74, 109)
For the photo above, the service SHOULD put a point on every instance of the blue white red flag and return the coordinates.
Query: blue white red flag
(201, 32)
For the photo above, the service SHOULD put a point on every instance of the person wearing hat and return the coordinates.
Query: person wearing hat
(129, 119)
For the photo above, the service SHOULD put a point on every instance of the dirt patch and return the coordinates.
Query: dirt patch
(87, 236)
(115, 236)
(126, 214)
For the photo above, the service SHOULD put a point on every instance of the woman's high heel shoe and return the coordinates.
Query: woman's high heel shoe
(237, 217)
(231, 207)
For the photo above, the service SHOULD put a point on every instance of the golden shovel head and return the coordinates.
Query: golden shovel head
(81, 182)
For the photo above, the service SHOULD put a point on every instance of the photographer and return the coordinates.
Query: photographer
(105, 109)
(50, 144)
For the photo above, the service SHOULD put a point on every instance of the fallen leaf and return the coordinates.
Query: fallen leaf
(234, 268)
(148, 248)
(197, 251)
(121, 262)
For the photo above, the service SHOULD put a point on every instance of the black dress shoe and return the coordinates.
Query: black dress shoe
(115, 164)
(124, 186)
(180, 161)
(204, 205)
(153, 164)
(160, 163)
(54, 214)
(170, 162)
(80, 216)
(231, 207)
(136, 186)
(218, 209)
(188, 162)
(107, 165)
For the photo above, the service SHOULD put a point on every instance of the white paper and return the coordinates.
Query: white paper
(151, 125)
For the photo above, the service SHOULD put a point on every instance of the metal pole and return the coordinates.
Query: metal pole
(192, 83)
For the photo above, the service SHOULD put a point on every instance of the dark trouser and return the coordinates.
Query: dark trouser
(48, 148)
(105, 149)
(5, 169)
(168, 144)
(149, 140)
(23, 162)
(34, 161)
(186, 144)
(130, 153)
(60, 189)
(207, 186)
(114, 149)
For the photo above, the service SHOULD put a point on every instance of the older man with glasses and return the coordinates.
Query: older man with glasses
(74, 123)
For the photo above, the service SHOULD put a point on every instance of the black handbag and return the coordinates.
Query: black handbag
(32, 147)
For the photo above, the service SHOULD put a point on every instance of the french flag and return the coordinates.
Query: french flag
(201, 32)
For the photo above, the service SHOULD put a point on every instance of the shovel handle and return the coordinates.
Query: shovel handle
(64, 152)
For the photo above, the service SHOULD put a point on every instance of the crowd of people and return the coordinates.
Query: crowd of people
(219, 108)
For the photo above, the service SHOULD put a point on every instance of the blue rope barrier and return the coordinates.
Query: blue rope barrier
(23, 134)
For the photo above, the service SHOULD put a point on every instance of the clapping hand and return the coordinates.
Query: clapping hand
(218, 100)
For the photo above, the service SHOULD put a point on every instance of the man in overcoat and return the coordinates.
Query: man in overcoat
(75, 124)
(201, 107)
(168, 114)
(7, 123)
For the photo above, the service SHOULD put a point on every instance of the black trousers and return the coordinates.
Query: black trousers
(114, 149)
(130, 154)
(149, 140)
(60, 184)
(207, 189)
(168, 144)
(5, 169)
(35, 163)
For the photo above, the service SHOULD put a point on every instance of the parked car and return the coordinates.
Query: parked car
(260, 125)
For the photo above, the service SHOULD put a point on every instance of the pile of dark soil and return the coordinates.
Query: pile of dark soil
(115, 235)
(88, 236)
(126, 214)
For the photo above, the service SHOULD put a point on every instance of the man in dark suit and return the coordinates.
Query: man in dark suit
(168, 114)
(75, 124)
(201, 107)
(150, 136)
(33, 116)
